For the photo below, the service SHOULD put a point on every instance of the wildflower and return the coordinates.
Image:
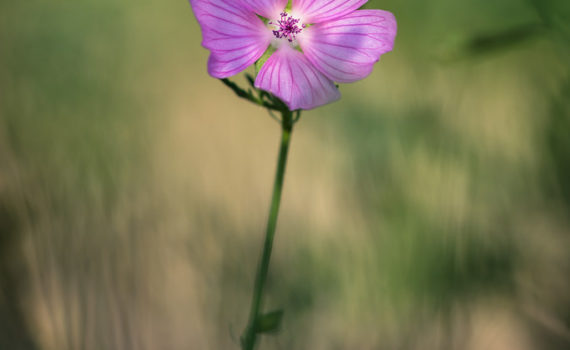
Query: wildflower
(311, 44)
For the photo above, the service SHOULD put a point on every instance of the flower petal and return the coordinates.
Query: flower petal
(346, 49)
(318, 11)
(290, 76)
(267, 8)
(235, 36)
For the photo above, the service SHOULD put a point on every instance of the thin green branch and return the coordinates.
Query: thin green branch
(256, 317)
(248, 95)
(297, 116)
(273, 116)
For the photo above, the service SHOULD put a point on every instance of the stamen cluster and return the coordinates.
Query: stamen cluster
(287, 27)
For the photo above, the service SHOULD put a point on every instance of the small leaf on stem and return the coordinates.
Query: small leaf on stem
(268, 322)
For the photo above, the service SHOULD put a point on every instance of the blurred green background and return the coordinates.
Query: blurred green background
(427, 209)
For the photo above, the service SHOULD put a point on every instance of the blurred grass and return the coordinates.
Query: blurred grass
(428, 209)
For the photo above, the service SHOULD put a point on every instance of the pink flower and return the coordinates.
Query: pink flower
(314, 44)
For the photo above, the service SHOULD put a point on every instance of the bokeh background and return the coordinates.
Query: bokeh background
(427, 209)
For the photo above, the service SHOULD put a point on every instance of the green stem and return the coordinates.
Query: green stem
(273, 105)
(248, 338)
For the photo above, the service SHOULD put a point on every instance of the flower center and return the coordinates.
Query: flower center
(287, 27)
